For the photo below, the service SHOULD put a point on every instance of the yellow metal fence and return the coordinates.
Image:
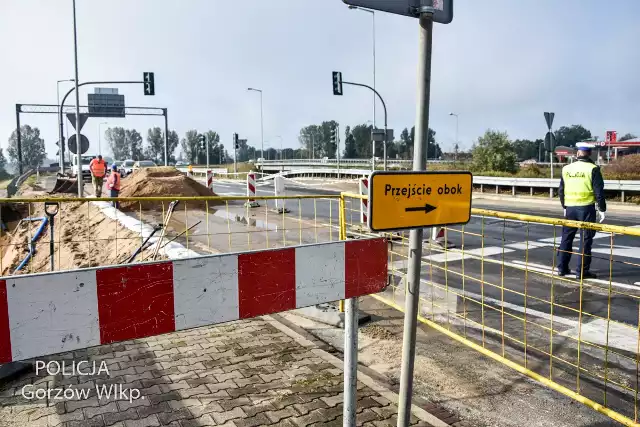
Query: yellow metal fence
(494, 290)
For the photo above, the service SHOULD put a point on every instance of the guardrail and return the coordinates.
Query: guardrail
(497, 184)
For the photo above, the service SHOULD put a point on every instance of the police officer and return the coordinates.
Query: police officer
(581, 194)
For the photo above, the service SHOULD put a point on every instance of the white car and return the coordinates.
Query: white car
(127, 167)
(143, 164)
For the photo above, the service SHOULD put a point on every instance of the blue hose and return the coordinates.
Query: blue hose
(32, 246)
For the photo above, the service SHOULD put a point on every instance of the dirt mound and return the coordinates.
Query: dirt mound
(162, 182)
(84, 237)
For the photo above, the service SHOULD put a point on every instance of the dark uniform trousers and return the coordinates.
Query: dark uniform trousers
(577, 213)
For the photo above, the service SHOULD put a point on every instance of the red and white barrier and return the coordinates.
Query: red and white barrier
(44, 314)
(251, 190)
(364, 205)
(210, 180)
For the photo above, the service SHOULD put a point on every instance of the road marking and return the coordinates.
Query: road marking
(505, 304)
(623, 337)
(450, 256)
(622, 251)
(548, 270)
(527, 245)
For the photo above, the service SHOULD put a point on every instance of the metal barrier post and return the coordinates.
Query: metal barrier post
(342, 234)
(412, 292)
(350, 362)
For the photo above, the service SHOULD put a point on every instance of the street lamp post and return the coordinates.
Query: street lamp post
(373, 18)
(100, 137)
(457, 142)
(261, 121)
(59, 123)
(78, 141)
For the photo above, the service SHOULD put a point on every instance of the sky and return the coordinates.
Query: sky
(499, 65)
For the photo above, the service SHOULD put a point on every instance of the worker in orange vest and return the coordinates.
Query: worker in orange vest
(98, 169)
(113, 184)
(190, 170)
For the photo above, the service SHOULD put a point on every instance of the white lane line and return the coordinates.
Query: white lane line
(622, 251)
(451, 256)
(530, 245)
(620, 336)
(548, 270)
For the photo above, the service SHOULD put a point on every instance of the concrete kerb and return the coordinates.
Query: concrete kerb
(367, 380)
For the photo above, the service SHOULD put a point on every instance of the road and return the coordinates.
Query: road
(528, 251)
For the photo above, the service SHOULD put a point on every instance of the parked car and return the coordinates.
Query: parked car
(127, 167)
(140, 164)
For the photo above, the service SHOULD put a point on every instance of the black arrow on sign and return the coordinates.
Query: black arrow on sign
(426, 208)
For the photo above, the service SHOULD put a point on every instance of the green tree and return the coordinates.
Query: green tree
(494, 152)
(627, 137)
(33, 152)
(3, 165)
(117, 143)
(173, 142)
(568, 136)
(310, 139)
(189, 146)
(526, 149)
(155, 145)
(349, 145)
(213, 139)
(407, 140)
(133, 140)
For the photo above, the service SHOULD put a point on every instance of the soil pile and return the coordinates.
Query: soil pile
(162, 182)
(83, 237)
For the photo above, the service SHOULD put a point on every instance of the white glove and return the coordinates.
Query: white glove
(602, 217)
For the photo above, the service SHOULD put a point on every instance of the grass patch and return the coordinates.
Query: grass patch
(4, 183)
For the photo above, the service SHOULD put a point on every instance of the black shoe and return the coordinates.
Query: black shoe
(586, 275)
(563, 272)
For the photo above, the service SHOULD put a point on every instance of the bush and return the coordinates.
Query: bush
(627, 167)
(494, 152)
(531, 171)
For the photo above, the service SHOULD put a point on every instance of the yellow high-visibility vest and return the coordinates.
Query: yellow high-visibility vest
(578, 189)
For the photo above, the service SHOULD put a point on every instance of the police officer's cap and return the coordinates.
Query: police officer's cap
(584, 146)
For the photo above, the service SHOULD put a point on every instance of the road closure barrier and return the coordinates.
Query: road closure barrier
(251, 191)
(58, 312)
(497, 291)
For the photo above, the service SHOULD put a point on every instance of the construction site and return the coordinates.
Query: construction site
(165, 216)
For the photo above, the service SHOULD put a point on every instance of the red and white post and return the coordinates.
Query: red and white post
(364, 203)
(210, 180)
(251, 190)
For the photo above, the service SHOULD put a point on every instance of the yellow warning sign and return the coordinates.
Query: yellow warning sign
(402, 200)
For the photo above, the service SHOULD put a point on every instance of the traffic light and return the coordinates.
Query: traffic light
(149, 83)
(203, 141)
(235, 141)
(337, 83)
(334, 135)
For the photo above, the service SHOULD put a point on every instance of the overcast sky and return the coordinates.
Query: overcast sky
(500, 64)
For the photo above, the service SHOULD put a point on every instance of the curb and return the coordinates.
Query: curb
(611, 206)
(376, 385)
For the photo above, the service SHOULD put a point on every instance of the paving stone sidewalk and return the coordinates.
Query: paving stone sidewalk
(241, 374)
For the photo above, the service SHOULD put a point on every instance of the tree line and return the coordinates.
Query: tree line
(316, 141)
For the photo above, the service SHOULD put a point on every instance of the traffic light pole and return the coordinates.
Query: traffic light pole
(412, 292)
(60, 112)
(373, 154)
(166, 137)
(206, 145)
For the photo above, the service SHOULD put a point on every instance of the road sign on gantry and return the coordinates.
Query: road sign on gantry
(405, 200)
(442, 9)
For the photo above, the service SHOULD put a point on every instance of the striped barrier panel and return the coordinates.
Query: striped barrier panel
(43, 314)
(251, 190)
(364, 203)
(210, 180)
